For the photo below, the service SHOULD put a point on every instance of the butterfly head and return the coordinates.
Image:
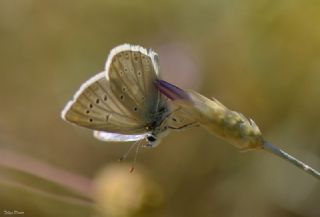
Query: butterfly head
(153, 139)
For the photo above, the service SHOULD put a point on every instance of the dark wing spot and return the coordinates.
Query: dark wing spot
(91, 120)
(121, 97)
(90, 105)
(135, 109)
(139, 73)
(124, 89)
(105, 98)
(174, 119)
(87, 111)
(97, 101)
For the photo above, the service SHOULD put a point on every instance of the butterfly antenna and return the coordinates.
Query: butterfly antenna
(135, 156)
(123, 157)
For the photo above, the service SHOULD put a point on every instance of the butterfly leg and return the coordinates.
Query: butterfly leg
(192, 124)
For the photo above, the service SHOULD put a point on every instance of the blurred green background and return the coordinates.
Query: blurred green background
(261, 58)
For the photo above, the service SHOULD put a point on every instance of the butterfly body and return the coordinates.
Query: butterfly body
(122, 103)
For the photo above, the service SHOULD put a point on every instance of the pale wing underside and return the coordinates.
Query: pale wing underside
(115, 137)
(96, 107)
(123, 99)
(132, 71)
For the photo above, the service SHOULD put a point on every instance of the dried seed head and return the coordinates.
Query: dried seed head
(215, 117)
(224, 123)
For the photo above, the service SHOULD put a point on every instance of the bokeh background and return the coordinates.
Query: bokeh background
(261, 58)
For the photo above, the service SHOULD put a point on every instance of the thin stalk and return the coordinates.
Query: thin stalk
(284, 155)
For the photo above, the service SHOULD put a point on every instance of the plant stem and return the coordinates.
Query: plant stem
(280, 153)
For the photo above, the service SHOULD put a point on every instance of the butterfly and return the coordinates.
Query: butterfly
(122, 103)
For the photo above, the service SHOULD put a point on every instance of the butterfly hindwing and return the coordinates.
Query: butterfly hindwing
(179, 119)
(116, 137)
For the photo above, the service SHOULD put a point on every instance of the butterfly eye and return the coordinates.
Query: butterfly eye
(151, 138)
